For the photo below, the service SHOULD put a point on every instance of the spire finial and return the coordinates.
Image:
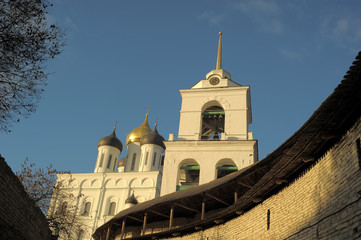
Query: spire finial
(147, 111)
(219, 55)
(156, 122)
(115, 126)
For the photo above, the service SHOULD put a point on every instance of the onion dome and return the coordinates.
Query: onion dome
(137, 133)
(111, 140)
(131, 199)
(153, 138)
(121, 162)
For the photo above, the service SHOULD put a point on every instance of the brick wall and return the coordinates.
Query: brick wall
(323, 203)
(19, 218)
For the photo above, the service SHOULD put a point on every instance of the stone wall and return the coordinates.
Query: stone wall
(19, 217)
(323, 203)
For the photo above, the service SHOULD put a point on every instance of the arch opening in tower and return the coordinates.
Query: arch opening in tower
(213, 123)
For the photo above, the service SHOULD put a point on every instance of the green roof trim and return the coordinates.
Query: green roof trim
(213, 112)
(190, 167)
(182, 187)
(227, 168)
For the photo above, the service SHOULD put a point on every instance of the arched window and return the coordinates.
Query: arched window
(212, 123)
(188, 174)
(63, 208)
(101, 160)
(154, 158)
(133, 162)
(162, 160)
(112, 208)
(80, 234)
(87, 207)
(115, 164)
(225, 167)
(146, 158)
(109, 161)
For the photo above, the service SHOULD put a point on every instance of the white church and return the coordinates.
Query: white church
(213, 140)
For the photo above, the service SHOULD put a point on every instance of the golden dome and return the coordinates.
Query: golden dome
(137, 133)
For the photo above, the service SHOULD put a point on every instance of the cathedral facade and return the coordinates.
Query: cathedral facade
(213, 141)
(115, 184)
(307, 188)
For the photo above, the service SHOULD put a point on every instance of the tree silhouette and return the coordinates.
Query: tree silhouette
(27, 42)
(53, 198)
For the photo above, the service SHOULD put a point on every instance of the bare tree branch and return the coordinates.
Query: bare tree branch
(42, 186)
(27, 42)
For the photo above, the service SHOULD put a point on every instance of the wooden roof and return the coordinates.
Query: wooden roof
(240, 191)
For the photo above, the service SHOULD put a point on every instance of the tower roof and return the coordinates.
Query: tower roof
(111, 140)
(153, 138)
(137, 133)
(219, 54)
(121, 162)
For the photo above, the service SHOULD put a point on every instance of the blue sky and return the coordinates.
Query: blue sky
(122, 56)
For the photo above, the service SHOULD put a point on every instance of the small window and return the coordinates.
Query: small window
(133, 162)
(63, 208)
(87, 209)
(112, 209)
(80, 234)
(101, 160)
(358, 146)
(154, 157)
(146, 158)
(109, 161)
(268, 219)
(115, 164)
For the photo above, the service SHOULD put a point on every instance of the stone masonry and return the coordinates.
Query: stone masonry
(20, 219)
(323, 203)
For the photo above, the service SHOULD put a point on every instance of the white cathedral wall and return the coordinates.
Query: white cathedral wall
(103, 188)
(207, 154)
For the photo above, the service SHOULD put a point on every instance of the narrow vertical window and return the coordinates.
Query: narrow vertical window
(154, 157)
(146, 158)
(101, 160)
(109, 161)
(358, 146)
(268, 219)
(162, 163)
(115, 164)
(80, 234)
(63, 209)
(87, 209)
(133, 162)
(112, 209)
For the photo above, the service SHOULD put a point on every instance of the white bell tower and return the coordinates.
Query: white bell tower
(214, 139)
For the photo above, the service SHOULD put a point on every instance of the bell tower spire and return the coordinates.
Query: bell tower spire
(219, 55)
